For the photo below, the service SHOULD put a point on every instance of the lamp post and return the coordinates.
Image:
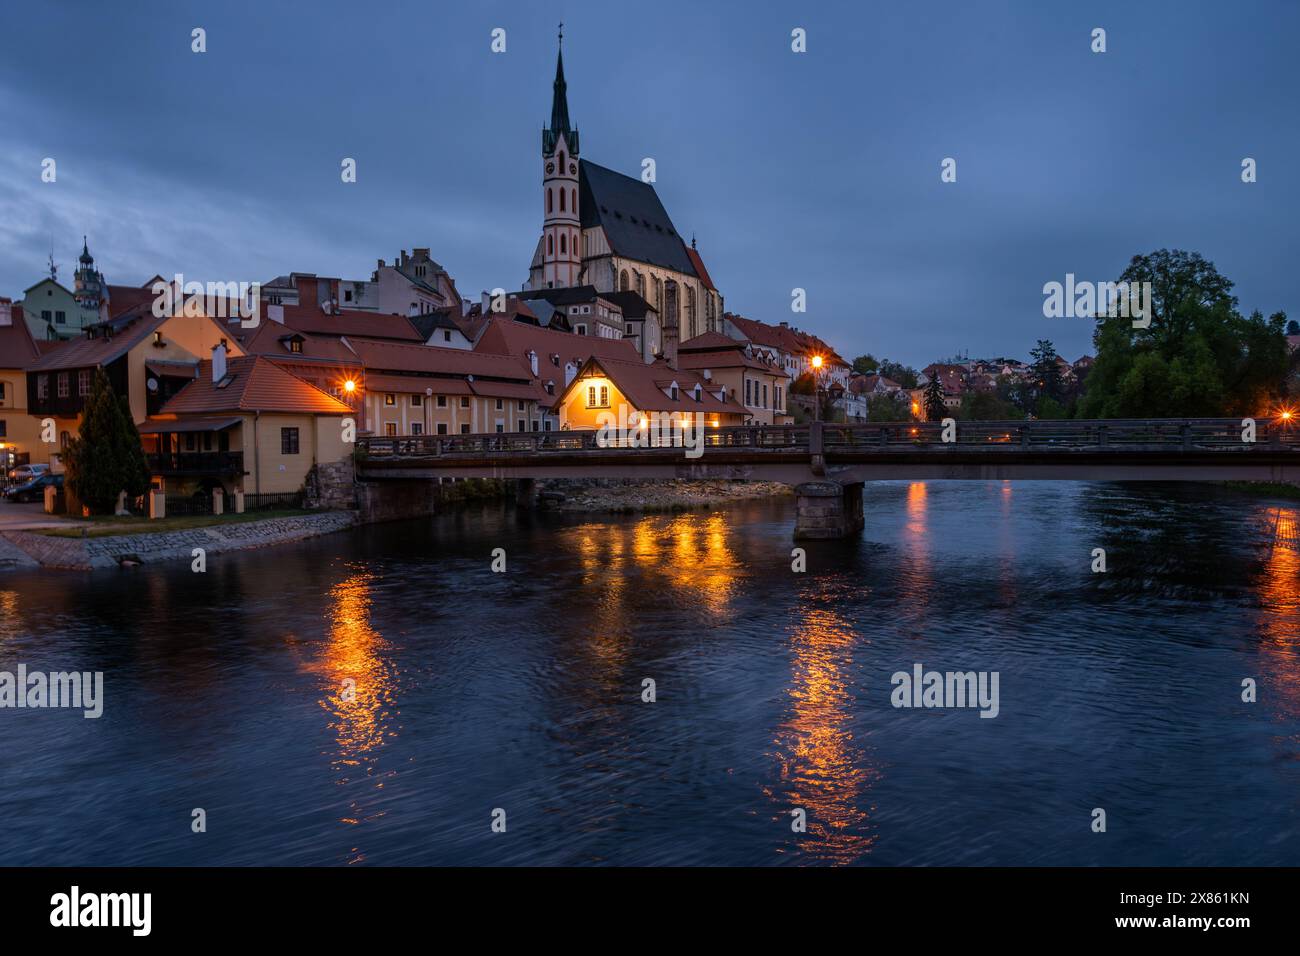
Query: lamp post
(817, 387)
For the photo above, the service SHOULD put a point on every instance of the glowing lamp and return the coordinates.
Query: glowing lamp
(817, 361)
(349, 386)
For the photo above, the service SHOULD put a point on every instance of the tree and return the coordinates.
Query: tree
(1199, 356)
(106, 457)
(935, 410)
(988, 407)
(904, 375)
(889, 407)
(1292, 327)
(1047, 374)
(866, 364)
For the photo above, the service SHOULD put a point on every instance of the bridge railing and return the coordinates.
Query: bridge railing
(1187, 434)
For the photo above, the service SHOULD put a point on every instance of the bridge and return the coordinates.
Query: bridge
(828, 463)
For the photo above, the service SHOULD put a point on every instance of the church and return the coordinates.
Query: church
(610, 231)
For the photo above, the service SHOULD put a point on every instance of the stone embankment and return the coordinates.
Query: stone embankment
(108, 551)
(626, 496)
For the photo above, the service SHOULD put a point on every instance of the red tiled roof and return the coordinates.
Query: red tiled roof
(506, 337)
(416, 383)
(271, 339)
(255, 384)
(430, 359)
(349, 322)
(641, 385)
(702, 272)
(17, 348)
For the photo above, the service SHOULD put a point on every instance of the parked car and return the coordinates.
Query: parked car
(34, 489)
(25, 473)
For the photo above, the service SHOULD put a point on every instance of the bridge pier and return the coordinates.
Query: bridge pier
(827, 509)
(525, 492)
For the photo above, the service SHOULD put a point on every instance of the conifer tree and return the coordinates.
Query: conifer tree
(106, 457)
(935, 410)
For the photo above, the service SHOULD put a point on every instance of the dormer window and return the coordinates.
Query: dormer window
(295, 345)
(673, 392)
(695, 392)
(158, 339)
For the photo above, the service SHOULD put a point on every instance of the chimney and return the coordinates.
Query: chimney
(487, 303)
(218, 363)
(670, 329)
(6, 311)
(708, 375)
(532, 361)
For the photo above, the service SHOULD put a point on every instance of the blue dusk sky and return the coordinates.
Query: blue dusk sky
(818, 170)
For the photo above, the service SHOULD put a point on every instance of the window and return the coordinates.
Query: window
(63, 385)
(390, 399)
(288, 441)
(446, 335)
(295, 345)
(417, 428)
(47, 315)
(189, 441)
(390, 429)
(417, 401)
(158, 339)
(442, 401)
(534, 424)
(546, 425)
(563, 247)
(561, 210)
(748, 396)
(598, 396)
(464, 429)
(4, 428)
(523, 426)
(500, 404)
(464, 401)
(60, 318)
(42, 386)
(549, 204)
(347, 295)
(442, 428)
(580, 329)
(501, 427)
(672, 393)
(519, 406)
(83, 382)
(764, 395)
(2, 391)
(550, 244)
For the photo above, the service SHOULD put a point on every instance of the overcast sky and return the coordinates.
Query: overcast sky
(818, 170)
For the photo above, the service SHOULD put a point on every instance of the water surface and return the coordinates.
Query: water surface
(522, 690)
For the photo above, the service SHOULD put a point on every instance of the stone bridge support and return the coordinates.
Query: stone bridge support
(827, 509)
(525, 492)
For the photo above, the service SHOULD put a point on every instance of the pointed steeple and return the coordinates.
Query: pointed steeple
(559, 108)
(560, 99)
(85, 252)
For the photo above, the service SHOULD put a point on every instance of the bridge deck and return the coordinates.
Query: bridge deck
(1186, 449)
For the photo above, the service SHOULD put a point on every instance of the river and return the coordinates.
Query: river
(522, 691)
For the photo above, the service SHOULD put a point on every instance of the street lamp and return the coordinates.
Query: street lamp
(817, 398)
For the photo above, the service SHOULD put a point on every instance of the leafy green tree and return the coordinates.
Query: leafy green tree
(106, 458)
(988, 407)
(935, 410)
(1199, 357)
(893, 407)
(866, 364)
(904, 375)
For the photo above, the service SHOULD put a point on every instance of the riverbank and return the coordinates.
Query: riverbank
(629, 496)
(108, 550)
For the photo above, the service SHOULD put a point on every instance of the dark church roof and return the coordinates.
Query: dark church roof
(559, 113)
(635, 221)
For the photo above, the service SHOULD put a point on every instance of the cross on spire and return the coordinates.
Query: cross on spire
(561, 33)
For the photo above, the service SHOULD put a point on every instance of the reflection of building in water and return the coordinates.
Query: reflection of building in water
(823, 771)
(1280, 616)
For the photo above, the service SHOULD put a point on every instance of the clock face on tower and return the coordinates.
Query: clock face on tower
(550, 167)
(573, 169)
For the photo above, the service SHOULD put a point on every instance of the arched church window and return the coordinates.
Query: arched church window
(573, 195)
(550, 245)
(563, 250)
(561, 200)
(561, 160)
(640, 285)
(549, 200)
(623, 282)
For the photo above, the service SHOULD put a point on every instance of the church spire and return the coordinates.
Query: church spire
(560, 100)
(560, 125)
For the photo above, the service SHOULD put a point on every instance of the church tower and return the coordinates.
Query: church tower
(88, 284)
(561, 231)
